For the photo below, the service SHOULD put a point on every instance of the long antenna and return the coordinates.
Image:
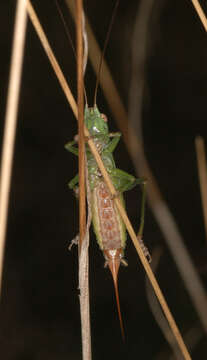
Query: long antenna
(65, 27)
(104, 49)
(68, 34)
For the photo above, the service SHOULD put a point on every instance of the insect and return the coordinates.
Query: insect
(107, 223)
(108, 226)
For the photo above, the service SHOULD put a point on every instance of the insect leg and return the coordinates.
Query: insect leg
(115, 134)
(123, 181)
(141, 226)
(113, 144)
(69, 146)
(73, 182)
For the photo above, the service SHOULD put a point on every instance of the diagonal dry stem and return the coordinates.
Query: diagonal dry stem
(132, 234)
(200, 13)
(10, 121)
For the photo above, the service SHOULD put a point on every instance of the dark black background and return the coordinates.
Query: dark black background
(39, 312)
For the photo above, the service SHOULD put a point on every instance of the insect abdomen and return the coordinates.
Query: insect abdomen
(108, 225)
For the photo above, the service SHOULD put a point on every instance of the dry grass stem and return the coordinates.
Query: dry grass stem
(84, 282)
(192, 338)
(139, 250)
(10, 121)
(81, 139)
(200, 13)
(157, 311)
(83, 235)
(85, 41)
(202, 171)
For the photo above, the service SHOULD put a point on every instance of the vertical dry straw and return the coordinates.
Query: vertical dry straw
(10, 121)
(81, 141)
(83, 236)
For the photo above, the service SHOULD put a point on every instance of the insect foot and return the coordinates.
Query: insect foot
(124, 262)
(76, 192)
(74, 241)
(144, 249)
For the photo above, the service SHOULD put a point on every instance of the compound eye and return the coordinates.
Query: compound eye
(104, 117)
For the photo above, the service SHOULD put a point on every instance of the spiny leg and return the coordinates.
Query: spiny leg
(143, 201)
(123, 181)
(141, 226)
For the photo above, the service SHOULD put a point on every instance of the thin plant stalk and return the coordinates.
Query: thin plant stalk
(83, 236)
(84, 282)
(200, 13)
(202, 172)
(10, 121)
(133, 236)
(81, 139)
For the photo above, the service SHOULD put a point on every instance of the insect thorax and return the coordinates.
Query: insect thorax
(95, 122)
(94, 173)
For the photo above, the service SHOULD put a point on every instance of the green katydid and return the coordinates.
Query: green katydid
(108, 226)
(107, 223)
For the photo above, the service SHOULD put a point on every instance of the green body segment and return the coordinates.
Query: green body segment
(104, 226)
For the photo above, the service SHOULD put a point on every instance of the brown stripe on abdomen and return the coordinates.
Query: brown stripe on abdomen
(109, 224)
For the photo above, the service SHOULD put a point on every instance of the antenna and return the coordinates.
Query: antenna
(70, 40)
(65, 27)
(104, 49)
